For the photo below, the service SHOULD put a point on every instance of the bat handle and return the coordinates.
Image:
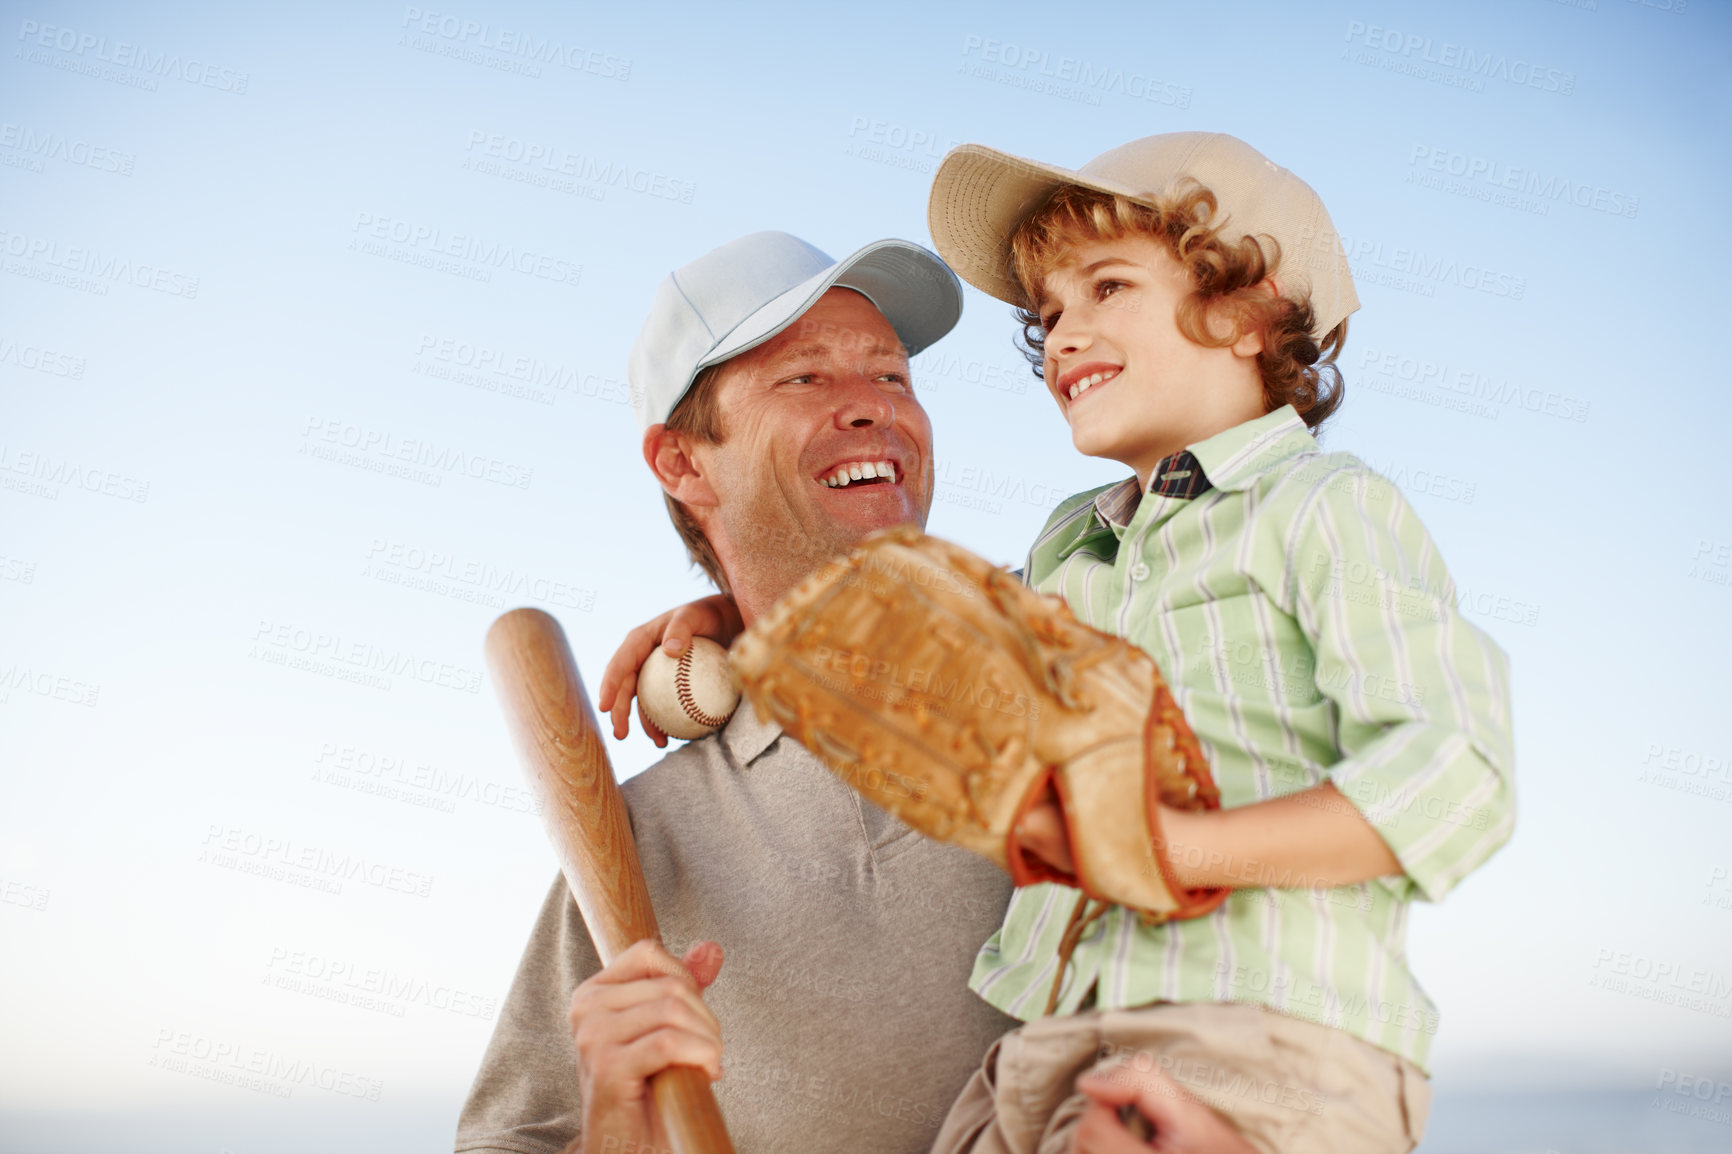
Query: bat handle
(688, 1110)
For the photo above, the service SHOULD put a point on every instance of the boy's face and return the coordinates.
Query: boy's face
(1133, 387)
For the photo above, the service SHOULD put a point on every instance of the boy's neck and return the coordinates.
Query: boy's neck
(1147, 465)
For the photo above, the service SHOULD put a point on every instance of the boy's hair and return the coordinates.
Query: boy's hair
(698, 416)
(1297, 368)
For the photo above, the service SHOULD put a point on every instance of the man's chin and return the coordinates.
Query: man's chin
(857, 512)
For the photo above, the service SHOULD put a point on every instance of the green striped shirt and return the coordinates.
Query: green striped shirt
(1308, 628)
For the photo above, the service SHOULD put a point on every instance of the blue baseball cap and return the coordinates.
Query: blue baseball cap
(738, 296)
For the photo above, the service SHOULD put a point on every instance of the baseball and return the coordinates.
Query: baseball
(690, 696)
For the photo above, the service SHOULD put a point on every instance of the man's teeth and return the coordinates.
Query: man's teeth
(1089, 382)
(861, 471)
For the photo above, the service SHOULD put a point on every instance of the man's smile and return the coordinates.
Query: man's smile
(860, 472)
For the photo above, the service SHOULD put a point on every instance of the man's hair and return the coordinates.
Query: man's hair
(1296, 368)
(699, 416)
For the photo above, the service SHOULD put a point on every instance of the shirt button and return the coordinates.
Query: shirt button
(1140, 571)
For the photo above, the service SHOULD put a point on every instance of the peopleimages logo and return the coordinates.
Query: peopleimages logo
(533, 157)
(424, 244)
(1493, 177)
(1410, 52)
(1068, 77)
(38, 146)
(101, 267)
(79, 48)
(526, 47)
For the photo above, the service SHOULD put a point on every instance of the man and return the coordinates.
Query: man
(780, 420)
(849, 938)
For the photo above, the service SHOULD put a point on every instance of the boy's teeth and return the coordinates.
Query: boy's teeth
(1086, 384)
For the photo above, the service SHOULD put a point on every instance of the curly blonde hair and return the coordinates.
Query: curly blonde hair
(1297, 369)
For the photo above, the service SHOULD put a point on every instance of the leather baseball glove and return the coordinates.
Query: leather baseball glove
(946, 692)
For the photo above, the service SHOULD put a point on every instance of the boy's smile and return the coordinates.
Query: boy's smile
(1134, 388)
(1084, 377)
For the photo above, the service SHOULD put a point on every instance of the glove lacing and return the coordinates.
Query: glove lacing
(1073, 934)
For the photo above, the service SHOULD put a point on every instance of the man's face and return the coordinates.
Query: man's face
(828, 398)
(1133, 387)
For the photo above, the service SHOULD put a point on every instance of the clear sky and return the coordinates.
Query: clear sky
(313, 333)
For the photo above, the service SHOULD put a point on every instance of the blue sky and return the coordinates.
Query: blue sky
(262, 267)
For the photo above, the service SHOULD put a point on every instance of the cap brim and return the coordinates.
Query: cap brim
(916, 292)
(979, 197)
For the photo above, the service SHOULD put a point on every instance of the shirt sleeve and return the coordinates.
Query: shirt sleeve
(525, 1097)
(1422, 697)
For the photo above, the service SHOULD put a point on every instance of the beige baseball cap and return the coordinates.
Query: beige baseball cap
(980, 196)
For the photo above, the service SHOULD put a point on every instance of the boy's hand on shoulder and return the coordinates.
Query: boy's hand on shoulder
(715, 617)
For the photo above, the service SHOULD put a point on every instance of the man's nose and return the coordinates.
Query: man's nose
(861, 404)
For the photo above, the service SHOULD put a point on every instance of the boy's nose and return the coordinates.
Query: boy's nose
(1069, 337)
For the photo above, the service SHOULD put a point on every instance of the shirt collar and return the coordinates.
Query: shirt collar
(1180, 477)
(746, 737)
(1229, 460)
(1236, 457)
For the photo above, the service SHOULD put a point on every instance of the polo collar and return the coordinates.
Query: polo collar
(745, 737)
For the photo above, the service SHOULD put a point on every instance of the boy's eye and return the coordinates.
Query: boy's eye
(1106, 288)
(1050, 320)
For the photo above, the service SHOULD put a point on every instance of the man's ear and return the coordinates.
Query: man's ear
(671, 458)
(1251, 344)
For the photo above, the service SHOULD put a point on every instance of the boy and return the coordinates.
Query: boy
(1183, 298)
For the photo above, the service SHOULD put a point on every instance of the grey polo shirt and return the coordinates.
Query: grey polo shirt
(847, 1021)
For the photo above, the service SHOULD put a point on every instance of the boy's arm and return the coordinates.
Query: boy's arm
(1312, 839)
(1423, 787)
(715, 617)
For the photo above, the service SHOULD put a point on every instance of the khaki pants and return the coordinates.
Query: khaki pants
(1288, 1085)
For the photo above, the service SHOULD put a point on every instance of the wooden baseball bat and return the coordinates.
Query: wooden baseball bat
(563, 756)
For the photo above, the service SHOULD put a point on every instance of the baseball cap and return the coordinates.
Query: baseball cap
(738, 296)
(980, 196)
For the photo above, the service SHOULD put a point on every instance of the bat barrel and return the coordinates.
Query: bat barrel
(556, 734)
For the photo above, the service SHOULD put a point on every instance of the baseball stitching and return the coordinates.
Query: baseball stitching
(683, 686)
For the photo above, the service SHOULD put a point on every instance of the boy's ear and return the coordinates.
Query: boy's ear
(1251, 343)
(671, 458)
